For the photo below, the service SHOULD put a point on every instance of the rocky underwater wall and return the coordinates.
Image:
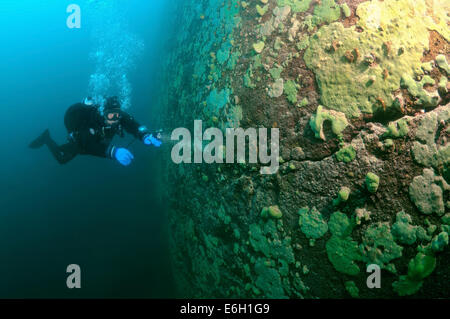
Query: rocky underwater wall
(359, 91)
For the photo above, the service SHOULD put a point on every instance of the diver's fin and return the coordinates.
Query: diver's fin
(41, 140)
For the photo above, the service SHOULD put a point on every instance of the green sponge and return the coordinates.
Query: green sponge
(343, 195)
(296, 5)
(441, 61)
(342, 251)
(338, 122)
(419, 268)
(259, 46)
(340, 225)
(439, 242)
(262, 10)
(397, 129)
(312, 223)
(346, 154)
(372, 182)
(290, 89)
(379, 247)
(402, 229)
(352, 289)
(346, 10)
(272, 211)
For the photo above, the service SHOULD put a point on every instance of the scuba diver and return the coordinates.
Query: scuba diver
(91, 129)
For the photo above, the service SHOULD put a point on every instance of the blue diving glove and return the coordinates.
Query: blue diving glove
(123, 156)
(149, 139)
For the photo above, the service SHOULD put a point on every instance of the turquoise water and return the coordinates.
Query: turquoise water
(92, 212)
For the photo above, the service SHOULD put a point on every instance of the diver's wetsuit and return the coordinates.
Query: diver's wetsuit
(90, 135)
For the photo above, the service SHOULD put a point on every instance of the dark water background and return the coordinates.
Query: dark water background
(92, 212)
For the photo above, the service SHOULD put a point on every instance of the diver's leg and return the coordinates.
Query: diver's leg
(61, 153)
(64, 153)
(41, 140)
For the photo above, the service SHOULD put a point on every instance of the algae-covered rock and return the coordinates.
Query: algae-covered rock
(343, 254)
(343, 194)
(417, 90)
(303, 102)
(297, 153)
(344, 85)
(398, 129)
(346, 10)
(406, 286)
(303, 43)
(276, 72)
(269, 281)
(425, 150)
(403, 231)
(372, 182)
(340, 225)
(312, 223)
(419, 268)
(272, 211)
(443, 85)
(290, 89)
(441, 61)
(259, 46)
(346, 154)
(361, 214)
(439, 242)
(342, 251)
(279, 15)
(277, 247)
(388, 143)
(326, 11)
(217, 100)
(295, 5)
(352, 289)
(378, 246)
(276, 90)
(352, 87)
(446, 219)
(262, 10)
(338, 122)
(427, 192)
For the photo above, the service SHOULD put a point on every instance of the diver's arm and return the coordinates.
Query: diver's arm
(133, 127)
(101, 150)
(139, 131)
(120, 154)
